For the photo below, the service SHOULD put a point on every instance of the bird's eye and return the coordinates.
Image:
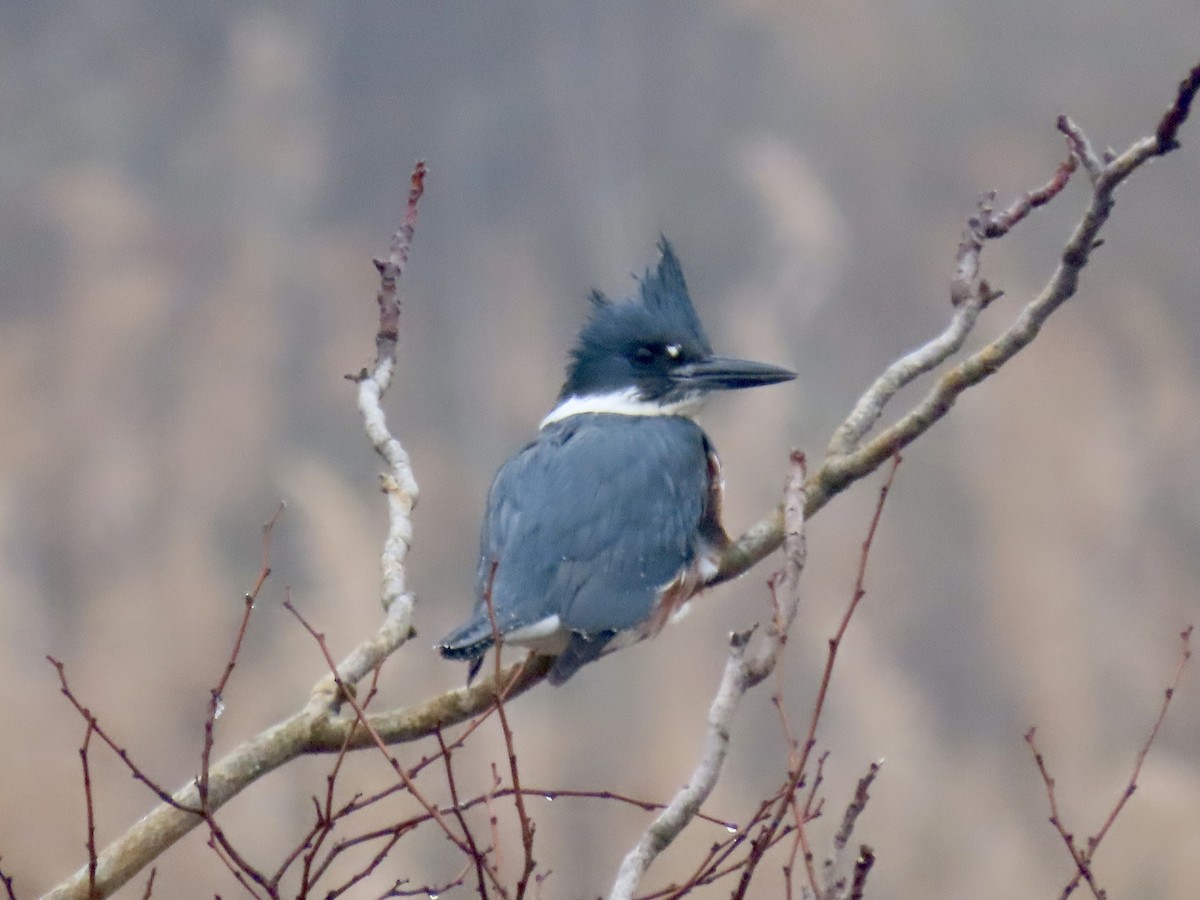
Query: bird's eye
(673, 351)
(645, 353)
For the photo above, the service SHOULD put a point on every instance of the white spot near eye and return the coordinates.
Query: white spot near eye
(673, 351)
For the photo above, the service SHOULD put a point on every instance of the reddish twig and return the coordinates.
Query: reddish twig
(493, 819)
(850, 458)
(527, 826)
(348, 695)
(862, 867)
(391, 834)
(1082, 856)
(1078, 856)
(477, 857)
(229, 854)
(216, 703)
(390, 270)
(428, 890)
(326, 818)
(796, 775)
(647, 805)
(91, 811)
(998, 224)
(368, 869)
(835, 644)
(1185, 654)
(149, 890)
(121, 753)
(242, 869)
(1168, 127)
(242, 872)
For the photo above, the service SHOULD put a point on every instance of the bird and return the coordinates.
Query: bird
(600, 530)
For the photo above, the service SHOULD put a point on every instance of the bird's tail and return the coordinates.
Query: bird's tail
(469, 642)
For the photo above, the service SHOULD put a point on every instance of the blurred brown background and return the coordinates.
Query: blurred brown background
(192, 194)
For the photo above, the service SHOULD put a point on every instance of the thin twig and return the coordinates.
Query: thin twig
(238, 870)
(456, 808)
(216, 702)
(741, 673)
(122, 753)
(398, 482)
(326, 818)
(1078, 856)
(403, 775)
(527, 827)
(88, 800)
(1185, 654)
(1082, 856)
(810, 741)
(7, 881)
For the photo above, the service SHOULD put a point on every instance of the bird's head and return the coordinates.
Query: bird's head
(649, 355)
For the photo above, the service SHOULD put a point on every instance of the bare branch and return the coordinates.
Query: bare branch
(317, 729)
(834, 883)
(847, 462)
(1081, 860)
(968, 295)
(216, 702)
(477, 856)
(7, 881)
(1185, 654)
(796, 775)
(91, 812)
(527, 827)
(121, 752)
(739, 676)
(409, 785)
(1082, 856)
(1177, 112)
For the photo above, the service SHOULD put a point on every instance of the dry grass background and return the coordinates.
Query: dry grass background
(191, 199)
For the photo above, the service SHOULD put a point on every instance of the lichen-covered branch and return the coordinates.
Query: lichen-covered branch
(848, 461)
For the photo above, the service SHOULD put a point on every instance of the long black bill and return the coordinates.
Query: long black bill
(719, 373)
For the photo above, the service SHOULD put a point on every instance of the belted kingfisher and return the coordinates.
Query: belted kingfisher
(603, 528)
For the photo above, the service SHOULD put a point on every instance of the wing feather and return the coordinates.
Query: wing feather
(592, 519)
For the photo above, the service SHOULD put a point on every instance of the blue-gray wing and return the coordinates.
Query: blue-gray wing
(592, 519)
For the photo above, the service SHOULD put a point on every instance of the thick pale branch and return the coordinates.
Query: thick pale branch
(398, 482)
